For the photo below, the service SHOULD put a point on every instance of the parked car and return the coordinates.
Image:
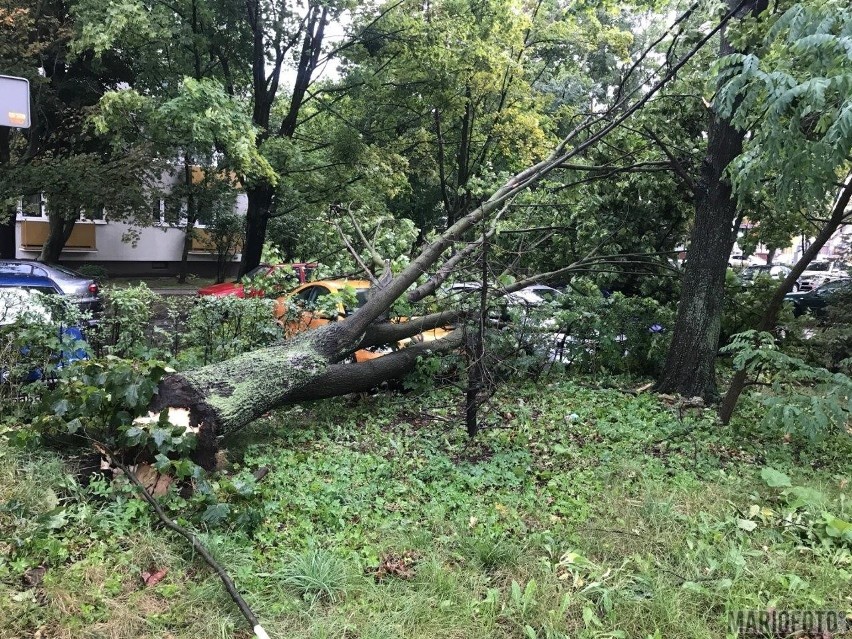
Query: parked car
(816, 301)
(741, 261)
(775, 271)
(533, 295)
(301, 273)
(84, 290)
(818, 273)
(312, 311)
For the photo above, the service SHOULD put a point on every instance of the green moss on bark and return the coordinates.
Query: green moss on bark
(241, 389)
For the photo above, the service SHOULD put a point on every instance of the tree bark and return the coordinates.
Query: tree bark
(770, 316)
(60, 228)
(191, 216)
(690, 367)
(223, 398)
(257, 219)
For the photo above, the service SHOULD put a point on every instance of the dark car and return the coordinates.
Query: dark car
(816, 302)
(84, 290)
(301, 274)
(776, 271)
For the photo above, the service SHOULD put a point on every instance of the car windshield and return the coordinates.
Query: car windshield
(820, 266)
(257, 270)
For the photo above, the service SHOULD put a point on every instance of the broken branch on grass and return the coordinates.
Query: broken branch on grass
(193, 540)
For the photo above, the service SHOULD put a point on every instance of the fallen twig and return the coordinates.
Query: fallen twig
(196, 545)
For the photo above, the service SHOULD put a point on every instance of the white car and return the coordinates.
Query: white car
(818, 273)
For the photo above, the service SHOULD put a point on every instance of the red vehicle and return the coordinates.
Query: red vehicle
(301, 273)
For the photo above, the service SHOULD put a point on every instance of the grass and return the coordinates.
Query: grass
(380, 519)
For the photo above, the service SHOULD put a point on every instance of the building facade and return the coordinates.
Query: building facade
(122, 248)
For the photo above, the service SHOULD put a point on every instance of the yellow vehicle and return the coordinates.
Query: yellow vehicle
(315, 304)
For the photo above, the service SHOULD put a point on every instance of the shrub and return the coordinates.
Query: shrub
(94, 271)
(36, 346)
(617, 333)
(219, 328)
(828, 343)
(744, 305)
(125, 329)
(806, 400)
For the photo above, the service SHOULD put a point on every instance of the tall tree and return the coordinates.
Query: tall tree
(277, 33)
(59, 149)
(690, 367)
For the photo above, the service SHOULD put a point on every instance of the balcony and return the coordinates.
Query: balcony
(34, 234)
(203, 243)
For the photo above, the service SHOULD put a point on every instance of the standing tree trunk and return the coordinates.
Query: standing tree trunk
(690, 367)
(191, 216)
(257, 219)
(7, 230)
(61, 224)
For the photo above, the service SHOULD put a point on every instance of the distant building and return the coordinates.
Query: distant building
(121, 248)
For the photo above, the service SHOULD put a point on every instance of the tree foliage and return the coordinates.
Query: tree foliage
(794, 94)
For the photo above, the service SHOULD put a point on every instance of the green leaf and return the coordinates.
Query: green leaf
(135, 436)
(159, 435)
(162, 463)
(590, 618)
(216, 513)
(73, 426)
(775, 478)
(131, 395)
(837, 528)
(61, 407)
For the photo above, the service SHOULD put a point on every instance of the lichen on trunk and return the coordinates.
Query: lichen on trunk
(228, 395)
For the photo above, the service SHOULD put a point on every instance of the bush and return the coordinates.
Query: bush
(125, 330)
(616, 334)
(183, 330)
(36, 346)
(828, 343)
(219, 328)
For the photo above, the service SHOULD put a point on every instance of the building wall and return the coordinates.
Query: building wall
(125, 249)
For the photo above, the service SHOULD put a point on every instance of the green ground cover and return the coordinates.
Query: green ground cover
(577, 512)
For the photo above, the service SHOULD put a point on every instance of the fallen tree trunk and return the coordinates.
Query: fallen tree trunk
(224, 397)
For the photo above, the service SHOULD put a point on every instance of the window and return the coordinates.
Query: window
(173, 213)
(17, 269)
(157, 211)
(32, 205)
(95, 214)
(307, 297)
